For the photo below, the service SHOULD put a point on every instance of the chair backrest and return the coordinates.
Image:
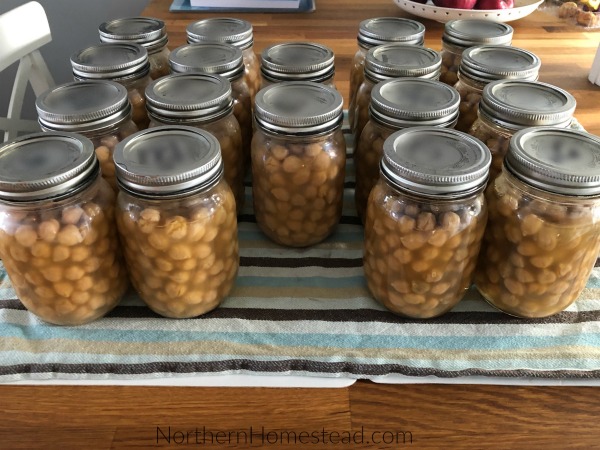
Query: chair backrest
(23, 31)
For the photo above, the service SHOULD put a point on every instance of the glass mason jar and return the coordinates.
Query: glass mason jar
(374, 32)
(298, 162)
(507, 106)
(297, 61)
(176, 220)
(127, 64)
(543, 234)
(392, 61)
(58, 241)
(236, 32)
(464, 33)
(225, 60)
(149, 32)
(202, 101)
(395, 105)
(486, 63)
(97, 109)
(425, 220)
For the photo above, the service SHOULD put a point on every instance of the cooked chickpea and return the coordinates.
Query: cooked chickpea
(427, 271)
(175, 278)
(47, 253)
(469, 105)
(450, 64)
(534, 261)
(252, 71)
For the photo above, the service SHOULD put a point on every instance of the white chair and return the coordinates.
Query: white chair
(23, 31)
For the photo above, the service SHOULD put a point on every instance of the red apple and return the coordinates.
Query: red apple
(458, 4)
(494, 4)
(419, 1)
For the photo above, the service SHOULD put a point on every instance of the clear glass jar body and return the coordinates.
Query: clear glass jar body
(63, 257)
(136, 91)
(182, 253)
(104, 143)
(539, 248)
(327, 82)
(159, 63)
(242, 110)
(227, 131)
(451, 59)
(420, 254)
(298, 185)
(357, 76)
(367, 156)
(470, 94)
(361, 108)
(496, 138)
(251, 71)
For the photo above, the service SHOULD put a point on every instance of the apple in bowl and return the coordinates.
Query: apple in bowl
(494, 4)
(457, 4)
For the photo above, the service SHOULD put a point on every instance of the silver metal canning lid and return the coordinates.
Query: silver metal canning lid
(297, 61)
(110, 61)
(562, 161)
(405, 102)
(146, 31)
(168, 160)
(298, 107)
(45, 165)
(383, 30)
(189, 96)
(517, 104)
(435, 161)
(470, 32)
(487, 63)
(83, 106)
(221, 59)
(398, 60)
(227, 30)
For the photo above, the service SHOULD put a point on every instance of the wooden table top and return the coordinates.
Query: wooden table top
(436, 416)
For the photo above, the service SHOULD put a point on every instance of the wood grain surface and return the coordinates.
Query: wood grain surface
(373, 416)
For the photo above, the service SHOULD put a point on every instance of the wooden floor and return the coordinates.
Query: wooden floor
(429, 416)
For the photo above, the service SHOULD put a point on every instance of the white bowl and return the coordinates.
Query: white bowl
(521, 9)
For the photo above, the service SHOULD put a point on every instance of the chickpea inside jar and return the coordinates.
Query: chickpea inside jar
(484, 64)
(298, 162)
(508, 106)
(297, 61)
(374, 32)
(425, 220)
(236, 32)
(543, 235)
(149, 32)
(387, 62)
(224, 60)
(127, 64)
(176, 219)
(202, 101)
(97, 109)
(58, 242)
(464, 33)
(395, 105)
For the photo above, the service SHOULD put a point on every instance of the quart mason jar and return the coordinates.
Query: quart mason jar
(176, 219)
(58, 241)
(543, 234)
(395, 105)
(202, 101)
(298, 162)
(392, 61)
(464, 33)
(97, 109)
(425, 220)
(225, 60)
(507, 106)
(236, 32)
(127, 64)
(486, 63)
(149, 32)
(297, 61)
(374, 32)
